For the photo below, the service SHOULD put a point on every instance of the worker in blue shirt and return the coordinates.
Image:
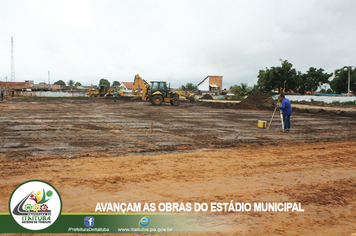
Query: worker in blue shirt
(286, 110)
(115, 96)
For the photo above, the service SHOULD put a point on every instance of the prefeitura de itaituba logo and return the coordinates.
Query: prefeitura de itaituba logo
(35, 205)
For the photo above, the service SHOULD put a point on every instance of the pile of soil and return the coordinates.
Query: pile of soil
(207, 96)
(255, 101)
(258, 100)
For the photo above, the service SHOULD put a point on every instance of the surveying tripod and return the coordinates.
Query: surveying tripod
(280, 113)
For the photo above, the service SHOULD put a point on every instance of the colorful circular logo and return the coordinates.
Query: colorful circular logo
(144, 221)
(35, 205)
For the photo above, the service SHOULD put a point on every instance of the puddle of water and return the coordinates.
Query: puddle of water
(254, 119)
(9, 145)
(29, 127)
(225, 125)
(229, 137)
(245, 137)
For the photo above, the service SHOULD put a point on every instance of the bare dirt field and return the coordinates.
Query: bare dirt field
(131, 151)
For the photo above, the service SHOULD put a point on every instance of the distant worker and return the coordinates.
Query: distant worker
(115, 96)
(2, 95)
(286, 109)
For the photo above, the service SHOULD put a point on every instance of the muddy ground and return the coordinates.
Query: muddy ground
(131, 151)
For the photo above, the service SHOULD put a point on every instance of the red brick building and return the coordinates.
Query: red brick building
(211, 84)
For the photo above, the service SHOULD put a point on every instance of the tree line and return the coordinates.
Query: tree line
(288, 79)
(285, 78)
(70, 83)
(101, 82)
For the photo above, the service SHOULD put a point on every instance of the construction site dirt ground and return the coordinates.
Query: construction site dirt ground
(95, 150)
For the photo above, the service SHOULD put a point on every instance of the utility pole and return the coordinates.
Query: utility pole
(12, 78)
(348, 82)
(49, 78)
(349, 68)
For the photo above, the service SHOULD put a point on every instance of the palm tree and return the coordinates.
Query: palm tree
(71, 82)
(189, 87)
(241, 90)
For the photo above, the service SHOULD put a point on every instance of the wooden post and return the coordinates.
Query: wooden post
(151, 126)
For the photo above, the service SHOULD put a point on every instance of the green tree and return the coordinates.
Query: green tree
(313, 79)
(104, 82)
(329, 91)
(279, 77)
(241, 90)
(120, 88)
(60, 82)
(291, 76)
(254, 88)
(266, 80)
(78, 84)
(115, 83)
(71, 82)
(340, 82)
(189, 87)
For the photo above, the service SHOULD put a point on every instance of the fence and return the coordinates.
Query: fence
(326, 99)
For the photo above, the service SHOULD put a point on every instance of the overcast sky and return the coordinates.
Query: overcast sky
(177, 41)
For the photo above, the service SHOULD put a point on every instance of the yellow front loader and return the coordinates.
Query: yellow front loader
(157, 92)
(103, 91)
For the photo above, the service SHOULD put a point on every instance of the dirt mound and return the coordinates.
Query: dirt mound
(129, 99)
(258, 100)
(255, 101)
(207, 96)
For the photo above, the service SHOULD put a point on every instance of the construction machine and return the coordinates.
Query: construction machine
(103, 91)
(157, 92)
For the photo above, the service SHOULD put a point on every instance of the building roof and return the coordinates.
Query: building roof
(208, 77)
(17, 85)
(203, 80)
(129, 85)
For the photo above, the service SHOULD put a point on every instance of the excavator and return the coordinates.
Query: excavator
(157, 92)
(103, 91)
